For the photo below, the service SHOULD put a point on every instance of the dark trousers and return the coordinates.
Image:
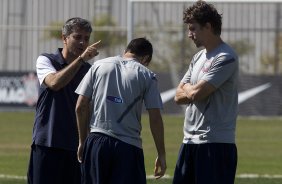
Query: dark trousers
(53, 166)
(107, 160)
(211, 163)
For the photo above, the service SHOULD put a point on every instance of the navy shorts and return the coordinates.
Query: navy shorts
(107, 160)
(51, 165)
(212, 163)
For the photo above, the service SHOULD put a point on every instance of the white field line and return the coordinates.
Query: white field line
(4, 176)
(258, 176)
(153, 177)
(237, 176)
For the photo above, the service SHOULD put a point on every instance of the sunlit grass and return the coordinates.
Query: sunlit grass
(259, 143)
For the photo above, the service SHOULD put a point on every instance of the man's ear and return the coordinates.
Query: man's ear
(208, 26)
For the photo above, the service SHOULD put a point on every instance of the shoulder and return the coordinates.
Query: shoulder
(49, 59)
(43, 61)
(106, 60)
(225, 54)
(147, 73)
(198, 55)
(104, 65)
(200, 52)
(228, 51)
(51, 56)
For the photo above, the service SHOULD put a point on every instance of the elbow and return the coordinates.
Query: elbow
(52, 82)
(55, 86)
(82, 106)
(78, 109)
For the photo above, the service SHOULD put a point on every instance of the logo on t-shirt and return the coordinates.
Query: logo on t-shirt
(115, 99)
(207, 66)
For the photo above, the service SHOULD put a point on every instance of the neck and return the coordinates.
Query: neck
(141, 60)
(130, 55)
(67, 56)
(213, 43)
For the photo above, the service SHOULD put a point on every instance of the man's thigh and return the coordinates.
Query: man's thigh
(56, 166)
(213, 163)
(216, 163)
(110, 161)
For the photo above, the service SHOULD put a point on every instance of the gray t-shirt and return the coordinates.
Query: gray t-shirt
(213, 120)
(118, 87)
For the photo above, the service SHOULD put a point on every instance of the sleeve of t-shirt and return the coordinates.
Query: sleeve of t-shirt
(44, 67)
(222, 69)
(187, 77)
(85, 87)
(152, 97)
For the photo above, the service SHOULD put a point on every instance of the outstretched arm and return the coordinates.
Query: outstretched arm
(157, 129)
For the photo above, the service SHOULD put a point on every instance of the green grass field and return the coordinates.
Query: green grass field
(259, 143)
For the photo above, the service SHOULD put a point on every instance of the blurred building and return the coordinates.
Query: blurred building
(31, 27)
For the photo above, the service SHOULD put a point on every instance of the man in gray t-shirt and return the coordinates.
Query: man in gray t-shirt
(117, 87)
(208, 153)
(212, 119)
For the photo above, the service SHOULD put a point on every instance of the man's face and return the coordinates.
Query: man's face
(196, 33)
(77, 42)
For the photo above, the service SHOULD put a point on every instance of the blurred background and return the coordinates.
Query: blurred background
(31, 27)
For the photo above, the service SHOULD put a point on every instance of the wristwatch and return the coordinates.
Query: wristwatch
(81, 59)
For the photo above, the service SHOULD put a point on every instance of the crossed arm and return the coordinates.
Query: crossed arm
(186, 93)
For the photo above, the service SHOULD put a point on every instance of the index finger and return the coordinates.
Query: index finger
(95, 44)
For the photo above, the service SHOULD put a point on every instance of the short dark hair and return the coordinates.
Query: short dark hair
(202, 13)
(74, 24)
(140, 47)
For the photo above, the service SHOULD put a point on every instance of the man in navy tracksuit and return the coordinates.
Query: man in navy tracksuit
(55, 138)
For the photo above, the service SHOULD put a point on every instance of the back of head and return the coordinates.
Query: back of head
(74, 24)
(140, 47)
(202, 13)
